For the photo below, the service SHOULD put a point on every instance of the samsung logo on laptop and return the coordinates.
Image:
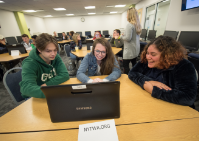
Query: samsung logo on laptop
(83, 108)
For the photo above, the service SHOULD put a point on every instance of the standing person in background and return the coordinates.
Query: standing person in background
(116, 41)
(26, 42)
(70, 35)
(131, 39)
(97, 35)
(54, 34)
(33, 41)
(64, 36)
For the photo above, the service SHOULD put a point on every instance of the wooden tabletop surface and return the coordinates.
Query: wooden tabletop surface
(5, 57)
(64, 41)
(83, 52)
(136, 106)
(92, 39)
(177, 130)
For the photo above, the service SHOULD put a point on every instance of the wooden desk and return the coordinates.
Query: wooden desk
(6, 57)
(83, 52)
(136, 106)
(179, 130)
(64, 41)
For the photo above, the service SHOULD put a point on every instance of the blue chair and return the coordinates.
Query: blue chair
(11, 83)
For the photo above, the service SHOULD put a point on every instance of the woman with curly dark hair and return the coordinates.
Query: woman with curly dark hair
(164, 73)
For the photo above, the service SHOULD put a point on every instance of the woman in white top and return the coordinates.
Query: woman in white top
(131, 39)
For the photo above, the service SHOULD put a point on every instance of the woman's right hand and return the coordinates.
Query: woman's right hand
(159, 85)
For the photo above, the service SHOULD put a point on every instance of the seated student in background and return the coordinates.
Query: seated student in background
(43, 67)
(33, 41)
(64, 36)
(164, 73)
(26, 42)
(118, 42)
(97, 35)
(70, 35)
(75, 43)
(101, 61)
(54, 34)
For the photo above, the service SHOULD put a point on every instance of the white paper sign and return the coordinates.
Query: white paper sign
(14, 52)
(98, 131)
(79, 87)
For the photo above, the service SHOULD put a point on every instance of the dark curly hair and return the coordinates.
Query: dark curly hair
(172, 52)
(43, 40)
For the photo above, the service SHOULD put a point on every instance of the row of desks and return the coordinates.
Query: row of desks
(142, 118)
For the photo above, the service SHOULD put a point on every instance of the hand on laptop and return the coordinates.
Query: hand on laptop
(97, 80)
(44, 84)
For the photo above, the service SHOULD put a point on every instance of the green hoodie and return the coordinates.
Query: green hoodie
(35, 72)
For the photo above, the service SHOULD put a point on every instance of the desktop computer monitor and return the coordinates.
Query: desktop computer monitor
(105, 32)
(79, 33)
(59, 34)
(189, 39)
(87, 33)
(172, 34)
(151, 35)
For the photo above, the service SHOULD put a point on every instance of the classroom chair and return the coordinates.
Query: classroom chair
(11, 83)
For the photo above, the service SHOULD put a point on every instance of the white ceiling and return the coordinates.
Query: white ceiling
(75, 7)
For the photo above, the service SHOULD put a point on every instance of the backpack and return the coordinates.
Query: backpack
(71, 67)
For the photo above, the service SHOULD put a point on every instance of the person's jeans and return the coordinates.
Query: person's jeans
(126, 64)
(73, 56)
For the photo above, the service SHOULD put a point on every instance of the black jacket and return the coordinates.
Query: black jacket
(3, 48)
(181, 78)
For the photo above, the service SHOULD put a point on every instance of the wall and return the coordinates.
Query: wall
(182, 20)
(36, 24)
(9, 26)
(91, 23)
(177, 20)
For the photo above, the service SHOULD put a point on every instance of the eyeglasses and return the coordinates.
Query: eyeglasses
(98, 52)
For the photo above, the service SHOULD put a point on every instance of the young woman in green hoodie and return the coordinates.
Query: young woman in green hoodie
(43, 67)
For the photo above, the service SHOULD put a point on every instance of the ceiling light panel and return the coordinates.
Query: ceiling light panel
(89, 7)
(59, 9)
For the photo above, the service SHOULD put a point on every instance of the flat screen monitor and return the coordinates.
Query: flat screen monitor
(87, 33)
(189, 39)
(67, 33)
(143, 34)
(151, 35)
(189, 4)
(172, 34)
(79, 33)
(19, 47)
(98, 31)
(11, 40)
(105, 32)
(59, 34)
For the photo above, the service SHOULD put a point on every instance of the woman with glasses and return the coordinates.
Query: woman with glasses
(165, 73)
(101, 61)
(97, 35)
(131, 39)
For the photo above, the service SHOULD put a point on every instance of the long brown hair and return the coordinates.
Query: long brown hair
(108, 62)
(134, 19)
(172, 52)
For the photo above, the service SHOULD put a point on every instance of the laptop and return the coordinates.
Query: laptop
(89, 43)
(19, 47)
(77, 102)
(59, 38)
